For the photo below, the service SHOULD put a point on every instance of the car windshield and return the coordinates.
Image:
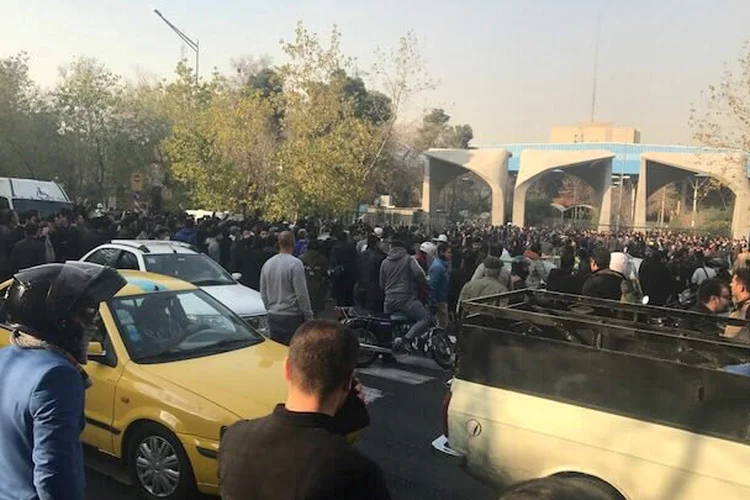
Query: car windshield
(198, 269)
(164, 327)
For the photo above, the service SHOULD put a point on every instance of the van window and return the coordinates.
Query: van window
(4, 203)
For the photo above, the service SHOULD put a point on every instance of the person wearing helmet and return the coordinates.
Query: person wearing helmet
(426, 255)
(50, 311)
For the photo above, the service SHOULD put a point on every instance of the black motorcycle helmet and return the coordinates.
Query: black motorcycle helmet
(56, 303)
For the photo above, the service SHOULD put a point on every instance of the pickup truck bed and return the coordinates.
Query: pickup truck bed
(635, 398)
(631, 360)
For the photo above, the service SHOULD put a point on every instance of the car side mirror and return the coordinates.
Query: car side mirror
(237, 276)
(96, 350)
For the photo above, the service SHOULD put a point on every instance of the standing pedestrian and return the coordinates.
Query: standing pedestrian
(213, 242)
(440, 284)
(316, 274)
(343, 264)
(42, 383)
(283, 289)
(298, 452)
(368, 275)
(28, 252)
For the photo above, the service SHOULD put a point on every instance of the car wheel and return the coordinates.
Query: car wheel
(158, 465)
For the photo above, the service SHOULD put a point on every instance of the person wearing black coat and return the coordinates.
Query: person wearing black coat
(8, 239)
(250, 256)
(368, 275)
(65, 240)
(564, 279)
(603, 283)
(300, 451)
(316, 275)
(28, 252)
(656, 280)
(343, 270)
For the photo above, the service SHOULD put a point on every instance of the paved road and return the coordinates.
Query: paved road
(406, 416)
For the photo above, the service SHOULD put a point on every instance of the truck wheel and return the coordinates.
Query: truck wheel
(158, 465)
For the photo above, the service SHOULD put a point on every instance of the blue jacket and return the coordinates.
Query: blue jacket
(300, 246)
(439, 275)
(41, 419)
(186, 235)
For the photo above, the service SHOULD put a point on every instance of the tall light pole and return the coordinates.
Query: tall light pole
(194, 45)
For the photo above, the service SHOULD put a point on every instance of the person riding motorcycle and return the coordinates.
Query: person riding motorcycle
(51, 311)
(401, 279)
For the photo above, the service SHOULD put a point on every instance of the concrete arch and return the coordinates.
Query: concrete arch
(659, 169)
(444, 165)
(593, 167)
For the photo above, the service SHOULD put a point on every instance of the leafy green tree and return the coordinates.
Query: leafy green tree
(436, 132)
(86, 100)
(29, 143)
(221, 143)
(323, 161)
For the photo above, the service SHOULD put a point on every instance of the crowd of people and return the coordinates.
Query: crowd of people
(296, 267)
(344, 261)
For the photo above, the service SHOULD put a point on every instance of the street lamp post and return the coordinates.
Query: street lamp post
(193, 45)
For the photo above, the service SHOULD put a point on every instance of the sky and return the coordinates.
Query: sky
(512, 69)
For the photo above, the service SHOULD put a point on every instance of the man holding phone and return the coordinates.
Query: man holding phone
(300, 450)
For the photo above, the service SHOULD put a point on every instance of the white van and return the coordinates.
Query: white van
(24, 195)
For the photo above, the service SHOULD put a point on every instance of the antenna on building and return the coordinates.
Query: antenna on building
(596, 67)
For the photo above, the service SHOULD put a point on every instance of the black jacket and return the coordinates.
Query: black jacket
(368, 272)
(603, 284)
(316, 275)
(249, 262)
(656, 281)
(564, 281)
(28, 252)
(8, 240)
(294, 456)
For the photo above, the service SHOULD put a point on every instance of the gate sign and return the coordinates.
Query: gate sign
(136, 182)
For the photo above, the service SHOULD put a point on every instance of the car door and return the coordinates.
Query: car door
(105, 372)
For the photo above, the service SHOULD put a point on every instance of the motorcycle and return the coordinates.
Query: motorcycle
(377, 331)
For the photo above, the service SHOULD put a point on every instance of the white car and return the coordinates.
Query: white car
(173, 258)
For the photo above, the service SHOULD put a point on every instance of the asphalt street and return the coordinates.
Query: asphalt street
(405, 409)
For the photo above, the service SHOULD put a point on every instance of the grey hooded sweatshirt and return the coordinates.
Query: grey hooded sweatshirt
(400, 276)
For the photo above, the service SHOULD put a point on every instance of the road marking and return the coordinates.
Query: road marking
(396, 375)
(371, 394)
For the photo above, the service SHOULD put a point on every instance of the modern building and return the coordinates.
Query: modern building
(511, 169)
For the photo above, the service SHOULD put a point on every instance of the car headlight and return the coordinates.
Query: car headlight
(260, 323)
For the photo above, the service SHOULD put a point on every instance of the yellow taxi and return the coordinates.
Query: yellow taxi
(172, 369)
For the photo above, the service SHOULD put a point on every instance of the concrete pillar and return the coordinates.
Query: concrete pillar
(519, 204)
(427, 196)
(605, 196)
(498, 204)
(641, 198)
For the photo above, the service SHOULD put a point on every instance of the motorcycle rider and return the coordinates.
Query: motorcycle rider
(51, 311)
(402, 280)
